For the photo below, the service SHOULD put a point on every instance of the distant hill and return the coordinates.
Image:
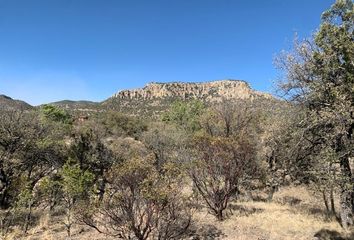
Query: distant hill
(7, 103)
(156, 97)
(82, 106)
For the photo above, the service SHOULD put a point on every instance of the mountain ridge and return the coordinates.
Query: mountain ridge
(209, 91)
(81, 105)
(156, 97)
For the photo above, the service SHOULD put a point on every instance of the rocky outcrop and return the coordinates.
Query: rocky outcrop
(209, 91)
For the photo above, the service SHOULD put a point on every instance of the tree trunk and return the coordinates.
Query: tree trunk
(219, 215)
(69, 222)
(4, 183)
(346, 209)
(333, 208)
(101, 189)
(28, 218)
(346, 215)
(273, 189)
(325, 200)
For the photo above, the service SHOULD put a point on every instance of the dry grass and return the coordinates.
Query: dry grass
(295, 214)
(260, 220)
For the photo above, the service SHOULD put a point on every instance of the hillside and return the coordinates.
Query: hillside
(7, 103)
(82, 105)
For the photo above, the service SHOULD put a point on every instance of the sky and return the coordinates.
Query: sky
(52, 50)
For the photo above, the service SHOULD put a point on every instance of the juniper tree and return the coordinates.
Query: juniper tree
(319, 75)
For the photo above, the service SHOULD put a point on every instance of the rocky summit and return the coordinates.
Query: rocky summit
(214, 91)
(156, 97)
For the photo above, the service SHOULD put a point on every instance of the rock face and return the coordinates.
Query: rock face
(155, 98)
(213, 91)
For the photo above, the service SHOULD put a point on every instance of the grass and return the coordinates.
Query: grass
(294, 214)
(278, 220)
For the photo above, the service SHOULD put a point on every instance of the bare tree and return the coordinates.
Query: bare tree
(223, 166)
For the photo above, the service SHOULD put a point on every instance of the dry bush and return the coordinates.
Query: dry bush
(141, 203)
(225, 165)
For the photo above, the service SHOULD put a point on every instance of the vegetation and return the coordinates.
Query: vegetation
(224, 167)
(320, 77)
(129, 177)
(141, 203)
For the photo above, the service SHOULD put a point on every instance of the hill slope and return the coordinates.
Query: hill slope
(7, 103)
(82, 106)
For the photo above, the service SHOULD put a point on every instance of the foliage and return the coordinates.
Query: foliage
(55, 114)
(319, 75)
(185, 114)
(76, 186)
(118, 124)
(130, 179)
(285, 152)
(91, 154)
(168, 143)
(75, 182)
(231, 119)
(50, 191)
(26, 151)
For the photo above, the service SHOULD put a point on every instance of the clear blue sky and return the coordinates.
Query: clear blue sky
(89, 49)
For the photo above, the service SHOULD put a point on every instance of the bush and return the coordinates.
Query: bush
(223, 166)
(141, 203)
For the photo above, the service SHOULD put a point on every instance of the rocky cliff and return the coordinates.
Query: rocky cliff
(209, 91)
(155, 98)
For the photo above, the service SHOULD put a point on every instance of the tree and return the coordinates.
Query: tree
(120, 125)
(91, 154)
(230, 119)
(168, 143)
(141, 203)
(223, 166)
(319, 75)
(75, 186)
(185, 114)
(283, 148)
(225, 156)
(26, 152)
(55, 114)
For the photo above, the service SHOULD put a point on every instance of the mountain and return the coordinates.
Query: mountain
(155, 97)
(7, 103)
(210, 91)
